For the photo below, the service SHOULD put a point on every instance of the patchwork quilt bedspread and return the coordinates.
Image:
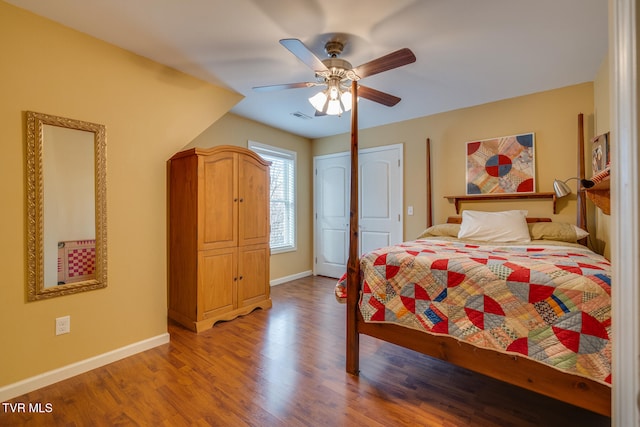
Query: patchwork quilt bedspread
(546, 302)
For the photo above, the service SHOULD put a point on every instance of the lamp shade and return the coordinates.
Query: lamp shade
(346, 100)
(561, 188)
(332, 101)
(318, 100)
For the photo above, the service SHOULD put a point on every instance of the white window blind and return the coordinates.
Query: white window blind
(282, 195)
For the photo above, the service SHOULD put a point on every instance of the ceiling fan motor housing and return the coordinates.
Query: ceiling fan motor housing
(333, 48)
(337, 69)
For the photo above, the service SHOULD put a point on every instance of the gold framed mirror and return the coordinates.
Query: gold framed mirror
(66, 204)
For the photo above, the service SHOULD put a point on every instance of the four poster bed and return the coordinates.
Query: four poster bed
(535, 314)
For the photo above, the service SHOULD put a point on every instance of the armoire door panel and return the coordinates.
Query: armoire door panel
(218, 280)
(253, 274)
(253, 192)
(219, 201)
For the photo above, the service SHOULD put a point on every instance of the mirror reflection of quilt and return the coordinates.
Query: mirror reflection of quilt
(76, 261)
(548, 303)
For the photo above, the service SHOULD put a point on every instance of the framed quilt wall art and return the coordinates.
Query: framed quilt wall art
(501, 165)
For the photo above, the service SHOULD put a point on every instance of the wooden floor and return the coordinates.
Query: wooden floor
(285, 367)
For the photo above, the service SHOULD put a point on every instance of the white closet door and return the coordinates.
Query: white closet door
(331, 191)
(380, 181)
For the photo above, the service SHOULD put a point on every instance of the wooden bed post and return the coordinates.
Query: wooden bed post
(428, 169)
(353, 263)
(581, 209)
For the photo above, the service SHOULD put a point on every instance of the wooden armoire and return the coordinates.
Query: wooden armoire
(218, 235)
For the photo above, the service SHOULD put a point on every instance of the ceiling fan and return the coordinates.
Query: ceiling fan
(337, 74)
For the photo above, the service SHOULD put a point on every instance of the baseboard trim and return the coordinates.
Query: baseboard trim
(286, 279)
(30, 384)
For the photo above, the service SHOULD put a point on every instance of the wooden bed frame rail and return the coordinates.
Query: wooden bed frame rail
(519, 371)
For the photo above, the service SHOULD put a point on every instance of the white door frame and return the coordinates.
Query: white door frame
(625, 220)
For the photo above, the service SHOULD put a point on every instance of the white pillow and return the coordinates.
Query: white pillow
(580, 233)
(505, 226)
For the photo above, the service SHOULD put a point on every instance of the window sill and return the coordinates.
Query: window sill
(283, 250)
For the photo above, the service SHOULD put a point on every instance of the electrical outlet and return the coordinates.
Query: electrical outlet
(63, 325)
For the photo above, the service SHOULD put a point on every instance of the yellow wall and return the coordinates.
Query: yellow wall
(551, 115)
(236, 130)
(150, 112)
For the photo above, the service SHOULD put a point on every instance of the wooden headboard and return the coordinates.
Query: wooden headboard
(458, 220)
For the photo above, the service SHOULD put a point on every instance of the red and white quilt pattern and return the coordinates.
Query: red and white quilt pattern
(76, 261)
(548, 303)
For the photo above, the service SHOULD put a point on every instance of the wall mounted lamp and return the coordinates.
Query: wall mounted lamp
(562, 189)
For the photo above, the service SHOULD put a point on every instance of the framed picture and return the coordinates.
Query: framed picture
(501, 165)
(600, 157)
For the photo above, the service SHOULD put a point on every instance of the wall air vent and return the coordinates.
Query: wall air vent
(301, 115)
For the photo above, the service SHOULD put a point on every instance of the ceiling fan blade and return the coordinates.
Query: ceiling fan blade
(377, 96)
(303, 53)
(271, 88)
(384, 63)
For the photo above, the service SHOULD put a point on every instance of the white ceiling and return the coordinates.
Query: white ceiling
(468, 52)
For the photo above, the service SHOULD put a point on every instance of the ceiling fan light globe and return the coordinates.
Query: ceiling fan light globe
(347, 99)
(333, 109)
(318, 100)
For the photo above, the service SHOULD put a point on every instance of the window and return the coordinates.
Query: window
(282, 195)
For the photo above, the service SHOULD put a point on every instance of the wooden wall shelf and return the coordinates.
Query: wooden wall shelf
(600, 195)
(511, 196)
